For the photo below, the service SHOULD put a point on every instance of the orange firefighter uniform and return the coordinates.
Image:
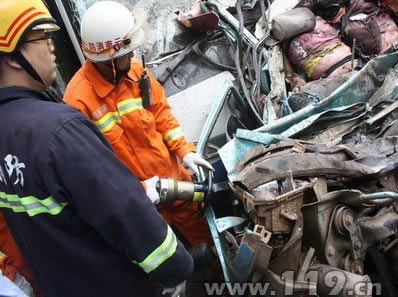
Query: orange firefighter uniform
(147, 140)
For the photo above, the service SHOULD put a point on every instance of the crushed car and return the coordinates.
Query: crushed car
(308, 199)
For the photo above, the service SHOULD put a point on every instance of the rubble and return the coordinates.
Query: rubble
(318, 185)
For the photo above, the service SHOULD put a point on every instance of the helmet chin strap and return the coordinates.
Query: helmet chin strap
(49, 92)
(17, 55)
(116, 72)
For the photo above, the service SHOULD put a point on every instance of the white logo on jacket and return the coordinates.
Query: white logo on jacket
(13, 166)
(99, 112)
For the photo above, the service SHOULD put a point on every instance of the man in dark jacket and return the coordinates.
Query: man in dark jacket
(75, 210)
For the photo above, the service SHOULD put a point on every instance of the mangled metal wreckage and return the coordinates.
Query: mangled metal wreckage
(311, 203)
(316, 191)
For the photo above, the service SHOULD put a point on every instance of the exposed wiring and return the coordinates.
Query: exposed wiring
(198, 51)
(257, 55)
(238, 56)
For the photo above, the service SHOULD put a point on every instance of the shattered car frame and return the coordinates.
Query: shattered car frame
(312, 206)
(313, 195)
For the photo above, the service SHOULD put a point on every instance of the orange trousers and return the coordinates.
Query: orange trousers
(183, 215)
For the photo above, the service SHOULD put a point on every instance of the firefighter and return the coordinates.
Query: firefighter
(110, 90)
(80, 217)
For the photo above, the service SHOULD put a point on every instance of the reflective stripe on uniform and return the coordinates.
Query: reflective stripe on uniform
(173, 135)
(129, 105)
(163, 252)
(31, 205)
(108, 121)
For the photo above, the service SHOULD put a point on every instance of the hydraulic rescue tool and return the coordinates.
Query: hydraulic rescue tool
(203, 192)
(170, 189)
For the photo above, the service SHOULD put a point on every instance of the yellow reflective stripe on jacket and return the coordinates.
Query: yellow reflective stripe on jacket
(161, 253)
(31, 205)
(173, 135)
(108, 121)
(129, 105)
(111, 118)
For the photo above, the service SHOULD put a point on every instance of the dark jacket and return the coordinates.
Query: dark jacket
(75, 210)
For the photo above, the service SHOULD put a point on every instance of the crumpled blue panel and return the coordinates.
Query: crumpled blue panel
(358, 89)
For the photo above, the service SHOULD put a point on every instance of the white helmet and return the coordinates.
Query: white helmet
(109, 30)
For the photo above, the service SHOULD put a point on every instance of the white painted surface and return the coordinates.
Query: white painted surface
(192, 106)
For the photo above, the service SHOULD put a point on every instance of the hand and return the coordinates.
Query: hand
(175, 291)
(192, 160)
(151, 191)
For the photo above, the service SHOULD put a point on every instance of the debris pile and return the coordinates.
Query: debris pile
(312, 164)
